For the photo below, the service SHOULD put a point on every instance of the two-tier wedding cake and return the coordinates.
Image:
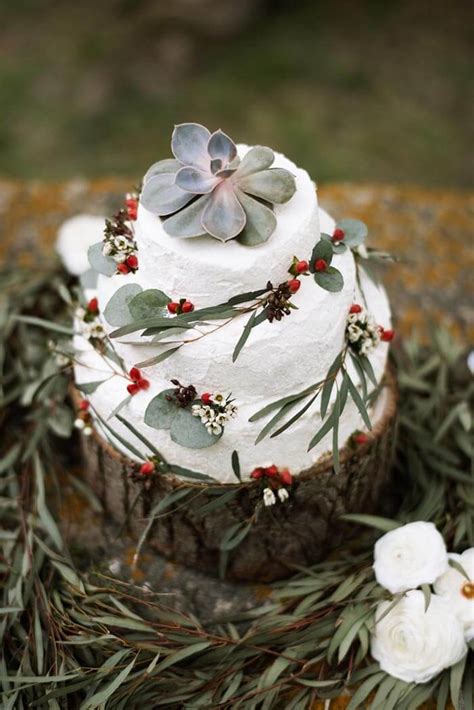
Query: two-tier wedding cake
(230, 332)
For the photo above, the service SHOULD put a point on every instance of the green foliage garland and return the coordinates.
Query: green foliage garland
(73, 639)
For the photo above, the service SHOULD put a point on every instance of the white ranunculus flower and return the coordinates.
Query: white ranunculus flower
(408, 556)
(75, 236)
(414, 645)
(459, 591)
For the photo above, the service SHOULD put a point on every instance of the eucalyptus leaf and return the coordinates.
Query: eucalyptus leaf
(99, 262)
(117, 311)
(188, 430)
(148, 303)
(89, 387)
(322, 250)
(330, 280)
(355, 231)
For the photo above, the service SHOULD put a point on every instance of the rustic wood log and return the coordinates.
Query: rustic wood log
(298, 533)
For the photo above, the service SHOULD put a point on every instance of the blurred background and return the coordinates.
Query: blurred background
(366, 90)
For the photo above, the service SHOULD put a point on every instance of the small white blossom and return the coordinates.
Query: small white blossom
(218, 398)
(213, 428)
(354, 332)
(80, 313)
(198, 410)
(268, 497)
(97, 331)
(121, 243)
(79, 424)
(107, 249)
(87, 431)
(283, 494)
(231, 410)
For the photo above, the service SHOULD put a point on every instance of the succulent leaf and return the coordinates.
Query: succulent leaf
(189, 145)
(258, 158)
(224, 217)
(209, 190)
(274, 185)
(188, 221)
(161, 196)
(220, 146)
(261, 221)
(195, 181)
(162, 166)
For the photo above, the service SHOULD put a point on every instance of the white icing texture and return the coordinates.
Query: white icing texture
(279, 358)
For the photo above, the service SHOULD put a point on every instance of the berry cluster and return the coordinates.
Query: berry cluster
(215, 410)
(273, 480)
(362, 332)
(182, 396)
(119, 242)
(83, 420)
(131, 203)
(138, 382)
(181, 306)
(88, 321)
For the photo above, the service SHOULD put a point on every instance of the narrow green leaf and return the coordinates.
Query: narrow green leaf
(295, 416)
(158, 358)
(321, 433)
(182, 655)
(46, 324)
(359, 403)
(103, 696)
(236, 465)
(373, 521)
(141, 437)
(244, 337)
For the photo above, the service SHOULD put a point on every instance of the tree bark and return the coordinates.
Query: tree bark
(297, 533)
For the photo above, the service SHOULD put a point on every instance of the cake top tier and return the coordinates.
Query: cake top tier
(208, 270)
(209, 189)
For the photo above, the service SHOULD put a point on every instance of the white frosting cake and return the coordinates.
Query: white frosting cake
(279, 358)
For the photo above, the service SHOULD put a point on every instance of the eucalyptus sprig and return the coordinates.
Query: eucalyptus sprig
(337, 378)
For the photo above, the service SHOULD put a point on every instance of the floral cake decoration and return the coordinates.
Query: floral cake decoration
(206, 189)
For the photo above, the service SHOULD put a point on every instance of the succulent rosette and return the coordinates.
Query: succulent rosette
(208, 190)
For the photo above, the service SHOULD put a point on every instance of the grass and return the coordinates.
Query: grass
(352, 91)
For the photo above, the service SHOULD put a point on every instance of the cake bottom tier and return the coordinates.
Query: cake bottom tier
(286, 536)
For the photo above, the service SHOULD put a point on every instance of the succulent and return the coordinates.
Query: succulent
(207, 189)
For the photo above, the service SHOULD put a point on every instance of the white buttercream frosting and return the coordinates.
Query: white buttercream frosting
(279, 358)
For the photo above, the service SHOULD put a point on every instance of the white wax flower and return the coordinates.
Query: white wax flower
(75, 236)
(459, 591)
(268, 497)
(408, 556)
(415, 645)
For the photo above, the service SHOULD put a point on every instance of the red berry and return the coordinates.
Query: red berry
(338, 235)
(133, 388)
(257, 473)
(187, 307)
(301, 267)
(355, 308)
(135, 374)
(93, 305)
(173, 307)
(387, 335)
(132, 261)
(294, 285)
(123, 268)
(84, 405)
(285, 477)
(320, 265)
(206, 398)
(271, 471)
(147, 468)
(361, 438)
(143, 384)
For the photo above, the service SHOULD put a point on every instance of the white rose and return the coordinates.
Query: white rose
(459, 591)
(415, 645)
(408, 556)
(75, 236)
